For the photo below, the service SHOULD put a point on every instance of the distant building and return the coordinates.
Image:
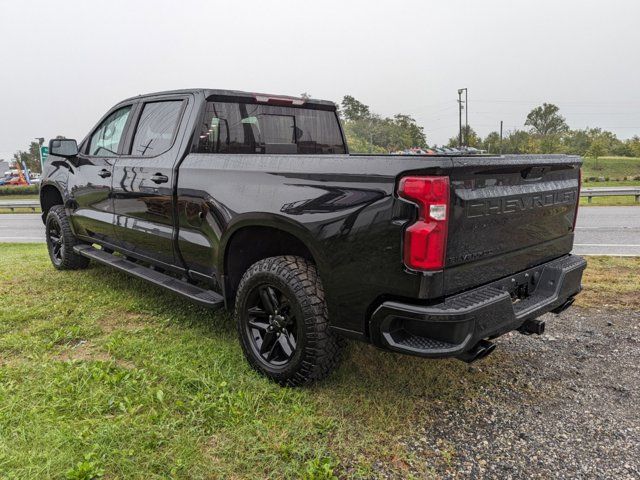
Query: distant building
(4, 166)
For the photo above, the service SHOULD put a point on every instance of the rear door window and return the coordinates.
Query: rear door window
(156, 128)
(231, 127)
(106, 139)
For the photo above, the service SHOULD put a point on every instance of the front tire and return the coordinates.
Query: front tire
(60, 241)
(282, 321)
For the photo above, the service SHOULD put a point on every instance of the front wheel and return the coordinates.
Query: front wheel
(282, 322)
(60, 241)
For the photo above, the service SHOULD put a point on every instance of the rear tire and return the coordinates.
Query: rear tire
(282, 321)
(60, 241)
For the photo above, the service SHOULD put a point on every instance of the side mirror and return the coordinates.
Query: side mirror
(63, 147)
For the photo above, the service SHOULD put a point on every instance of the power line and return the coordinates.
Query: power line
(570, 102)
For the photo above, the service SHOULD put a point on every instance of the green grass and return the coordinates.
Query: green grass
(20, 210)
(35, 198)
(628, 183)
(612, 167)
(104, 375)
(615, 201)
(6, 190)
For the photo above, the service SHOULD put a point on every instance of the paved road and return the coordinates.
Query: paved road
(608, 231)
(600, 230)
(21, 227)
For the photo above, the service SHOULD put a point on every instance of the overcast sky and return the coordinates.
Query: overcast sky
(64, 63)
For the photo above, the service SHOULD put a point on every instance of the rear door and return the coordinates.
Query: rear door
(508, 214)
(91, 175)
(143, 180)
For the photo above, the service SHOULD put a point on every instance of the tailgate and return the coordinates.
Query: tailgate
(508, 214)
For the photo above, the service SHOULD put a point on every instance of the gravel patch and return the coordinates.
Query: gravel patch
(562, 405)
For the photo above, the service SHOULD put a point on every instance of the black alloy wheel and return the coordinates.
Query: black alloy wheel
(271, 325)
(54, 241)
(61, 240)
(282, 320)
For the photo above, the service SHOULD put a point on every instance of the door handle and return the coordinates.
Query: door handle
(159, 178)
(104, 173)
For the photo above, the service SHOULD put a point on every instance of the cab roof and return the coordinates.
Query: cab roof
(260, 97)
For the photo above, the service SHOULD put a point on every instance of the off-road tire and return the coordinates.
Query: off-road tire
(64, 258)
(318, 349)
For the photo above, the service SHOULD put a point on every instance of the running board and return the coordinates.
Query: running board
(206, 298)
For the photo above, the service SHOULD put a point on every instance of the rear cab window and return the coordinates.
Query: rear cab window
(252, 128)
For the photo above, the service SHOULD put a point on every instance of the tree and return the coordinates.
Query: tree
(469, 137)
(31, 158)
(517, 141)
(352, 109)
(368, 132)
(633, 144)
(545, 120)
(576, 142)
(597, 149)
(491, 143)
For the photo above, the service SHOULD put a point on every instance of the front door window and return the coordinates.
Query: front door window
(105, 140)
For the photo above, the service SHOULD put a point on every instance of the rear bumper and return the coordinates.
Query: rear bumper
(456, 325)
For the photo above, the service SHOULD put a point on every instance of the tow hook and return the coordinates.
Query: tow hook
(532, 326)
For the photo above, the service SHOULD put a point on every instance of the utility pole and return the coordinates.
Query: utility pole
(466, 118)
(460, 118)
(500, 137)
(460, 107)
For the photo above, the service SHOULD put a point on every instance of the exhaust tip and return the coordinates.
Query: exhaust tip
(479, 351)
(564, 306)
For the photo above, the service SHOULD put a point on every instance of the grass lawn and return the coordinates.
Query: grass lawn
(612, 167)
(20, 210)
(35, 197)
(622, 200)
(628, 183)
(104, 375)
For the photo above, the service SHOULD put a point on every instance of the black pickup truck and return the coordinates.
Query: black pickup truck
(252, 202)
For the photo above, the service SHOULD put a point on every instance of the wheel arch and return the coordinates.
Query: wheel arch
(50, 195)
(279, 236)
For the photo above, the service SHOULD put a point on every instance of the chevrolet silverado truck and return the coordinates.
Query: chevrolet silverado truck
(252, 202)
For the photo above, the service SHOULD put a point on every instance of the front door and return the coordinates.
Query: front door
(143, 183)
(91, 175)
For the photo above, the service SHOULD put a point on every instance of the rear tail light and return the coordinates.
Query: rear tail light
(425, 241)
(575, 215)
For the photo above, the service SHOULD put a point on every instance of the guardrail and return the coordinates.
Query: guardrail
(586, 192)
(13, 204)
(609, 191)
